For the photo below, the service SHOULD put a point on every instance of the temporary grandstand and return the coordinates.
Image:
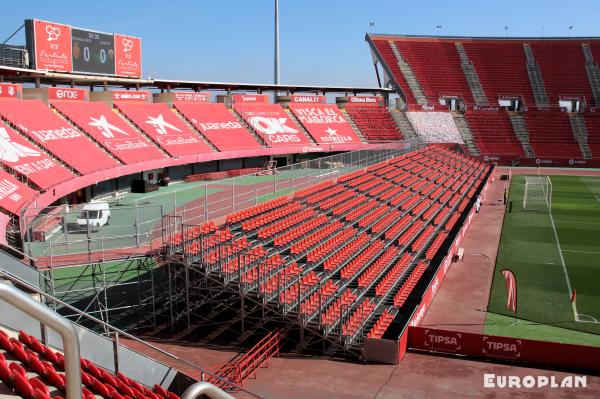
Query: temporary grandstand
(259, 219)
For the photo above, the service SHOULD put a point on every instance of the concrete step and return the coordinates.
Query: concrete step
(409, 76)
(535, 78)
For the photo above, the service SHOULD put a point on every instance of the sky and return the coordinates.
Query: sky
(322, 41)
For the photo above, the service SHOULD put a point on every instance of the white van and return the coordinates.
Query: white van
(95, 214)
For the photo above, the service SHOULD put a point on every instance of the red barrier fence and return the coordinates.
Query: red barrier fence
(525, 351)
(221, 175)
(245, 366)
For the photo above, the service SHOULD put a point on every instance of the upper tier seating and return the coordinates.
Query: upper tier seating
(160, 123)
(493, 133)
(436, 65)
(34, 119)
(384, 48)
(219, 125)
(562, 64)
(375, 122)
(592, 124)
(325, 123)
(550, 135)
(502, 69)
(272, 123)
(112, 132)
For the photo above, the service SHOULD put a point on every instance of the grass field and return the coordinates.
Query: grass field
(530, 248)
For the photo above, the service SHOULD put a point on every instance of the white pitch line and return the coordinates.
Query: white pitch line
(581, 252)
(562, 259)
(574, 222)
(597, 198)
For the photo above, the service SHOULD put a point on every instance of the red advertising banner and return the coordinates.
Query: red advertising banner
(158, 121)
(219, 125)
(250, 98)
(52, 43)
(427, 107)
(526, 351)
(192, 96)
(67, 94)
(111, 131)
(20, 155)
(10, 90)
(272, 124)
(128, 56)
(131, 95)
(325, 123)
(309, 99)
(13, 193)
(366, 100)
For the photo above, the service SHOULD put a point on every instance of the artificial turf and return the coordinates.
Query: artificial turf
(530, 249)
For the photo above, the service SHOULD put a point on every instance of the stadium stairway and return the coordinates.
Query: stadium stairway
(471, 76)
(409, 75)
(256, 136)
(291, 115)
(593, 72)
(404, 124)
(465, 132)
(535, 78)
(327, 256)
(353, 124)
(518, 123)
(580, 134)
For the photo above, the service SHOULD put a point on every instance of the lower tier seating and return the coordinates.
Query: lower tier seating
(346, 254)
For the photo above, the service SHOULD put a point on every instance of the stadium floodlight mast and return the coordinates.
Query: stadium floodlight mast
(570, 29)
(505, 30)
(276, 42)
(439, 28)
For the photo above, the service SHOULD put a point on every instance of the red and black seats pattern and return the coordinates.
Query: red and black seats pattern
(34, 371)
(347, 265)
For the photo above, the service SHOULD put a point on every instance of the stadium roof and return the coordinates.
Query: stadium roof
(433, 37)
(24, 75)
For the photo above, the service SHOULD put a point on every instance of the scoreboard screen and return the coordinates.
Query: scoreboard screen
(93, 52)
(63, 48)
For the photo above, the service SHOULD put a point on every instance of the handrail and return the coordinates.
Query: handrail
(20, 300)
(28, 286)
(205, 388)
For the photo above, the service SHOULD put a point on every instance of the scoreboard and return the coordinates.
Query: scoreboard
(93, 52)
(62, 48)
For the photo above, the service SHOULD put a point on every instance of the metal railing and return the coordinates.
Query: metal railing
(112, 333)
(59, 324)
(53, 233)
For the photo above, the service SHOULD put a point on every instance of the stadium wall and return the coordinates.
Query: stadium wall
(517, 350)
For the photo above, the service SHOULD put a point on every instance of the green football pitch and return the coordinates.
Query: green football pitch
(551, 254)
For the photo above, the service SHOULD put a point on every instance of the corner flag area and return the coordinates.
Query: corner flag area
(553, 253)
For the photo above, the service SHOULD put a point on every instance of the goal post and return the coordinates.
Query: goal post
(538, 193)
